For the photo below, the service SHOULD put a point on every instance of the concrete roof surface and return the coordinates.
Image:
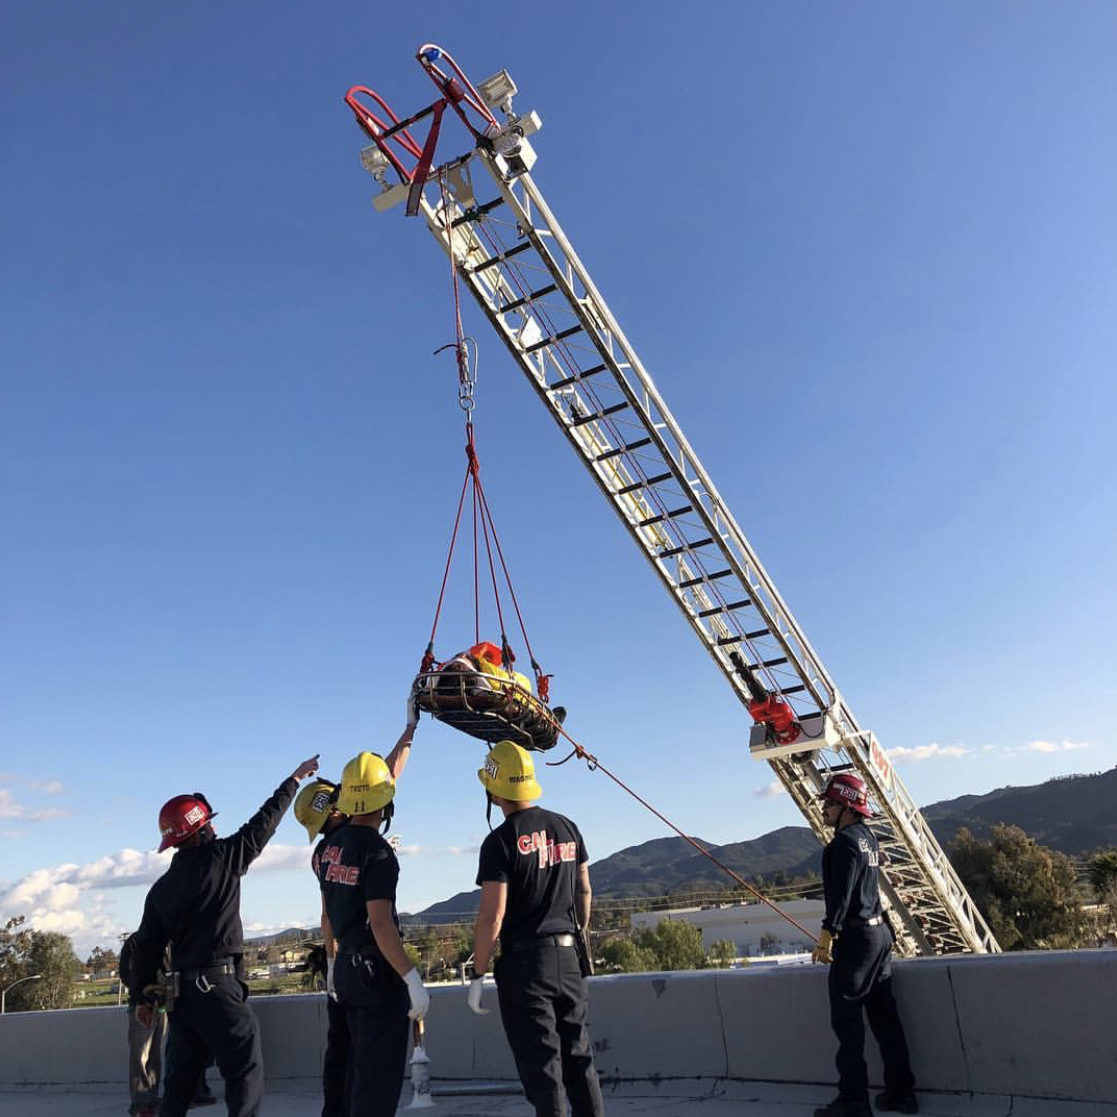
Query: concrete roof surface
(302, 1099)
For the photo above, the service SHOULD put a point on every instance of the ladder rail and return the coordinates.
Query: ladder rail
(929, 908)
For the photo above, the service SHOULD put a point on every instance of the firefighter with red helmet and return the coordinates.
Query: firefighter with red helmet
(857, 944)
(194, 908)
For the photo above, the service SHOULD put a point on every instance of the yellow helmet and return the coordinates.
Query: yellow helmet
(313, 806)
(509, 773)
(366, 785)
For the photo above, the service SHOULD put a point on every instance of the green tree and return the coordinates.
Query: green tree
(101, 960)
(723, 953)
(675, 945)
(52, 955)
(1103, 876)
(1024, 890)
(768, 942)
(15, 947)
(622, 955)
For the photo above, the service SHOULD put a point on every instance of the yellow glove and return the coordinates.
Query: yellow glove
(821, 953)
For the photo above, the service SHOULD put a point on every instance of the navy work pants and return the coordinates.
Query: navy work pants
(335, 1065)
(215, 1021)
(374, 999)
(543, 1008)
(861, 985)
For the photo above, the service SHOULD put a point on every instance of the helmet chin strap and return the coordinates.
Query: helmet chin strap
(489, 808)
(386, 816)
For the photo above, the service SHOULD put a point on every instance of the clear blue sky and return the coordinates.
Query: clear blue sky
(868, 252)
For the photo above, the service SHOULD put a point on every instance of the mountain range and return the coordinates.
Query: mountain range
(1072, 814)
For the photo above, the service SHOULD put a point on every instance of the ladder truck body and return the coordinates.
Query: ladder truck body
(512, 254)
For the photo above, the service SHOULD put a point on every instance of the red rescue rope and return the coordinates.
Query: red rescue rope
(595, 765)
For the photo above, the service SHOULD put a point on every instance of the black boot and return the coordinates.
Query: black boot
(897, 1103)
(839, 1107)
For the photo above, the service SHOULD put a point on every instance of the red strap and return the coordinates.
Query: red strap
(419, 178)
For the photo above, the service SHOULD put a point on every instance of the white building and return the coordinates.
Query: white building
(745, 925)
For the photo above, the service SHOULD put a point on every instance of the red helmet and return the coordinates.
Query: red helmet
(848, 791)
(182, 816)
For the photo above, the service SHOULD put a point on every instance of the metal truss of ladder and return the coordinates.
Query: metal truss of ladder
(528, 280)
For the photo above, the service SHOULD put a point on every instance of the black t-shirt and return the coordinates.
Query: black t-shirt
(356, 864)
(537, 854)
(849, 877)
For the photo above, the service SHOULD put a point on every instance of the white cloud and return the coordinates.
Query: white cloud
(926, 752)
(279, 857)
(10, 808)
(435, 851)
(769, 791)
(1056, 746)
(70, 898)
(47, 787)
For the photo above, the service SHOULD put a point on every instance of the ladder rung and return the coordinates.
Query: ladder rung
(793, 689)
(728, 609)
(583, 419)
(561, 335)
(623, 449)
(529, 298)
(501, 258)
(645, 483)
(704, 578)
(771, 662)
(666, 515)
(567, 381)
(757, 634)
(673, 551)
(723, 640)
(476, 211)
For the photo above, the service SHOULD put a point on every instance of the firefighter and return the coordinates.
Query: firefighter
(535, 896)
(377, 987)
(857, 944)
(195, 908)
(316, 810)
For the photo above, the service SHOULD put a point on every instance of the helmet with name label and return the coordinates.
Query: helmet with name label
(509, 773)
(182, 816)
(313, 806)
(847, 790)
(366, 785)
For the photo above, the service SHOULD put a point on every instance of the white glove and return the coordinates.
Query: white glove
(330, 960)
(420, 998)
(412, 710)
(473, 997)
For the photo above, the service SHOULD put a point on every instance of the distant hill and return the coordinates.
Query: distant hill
(1073, 814)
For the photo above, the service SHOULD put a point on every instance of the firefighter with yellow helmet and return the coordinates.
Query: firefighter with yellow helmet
(535, 897)
(376, 985)
(316, 809)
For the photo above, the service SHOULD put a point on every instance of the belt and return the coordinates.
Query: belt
(538, 941)
(876, 921)
(214, 969)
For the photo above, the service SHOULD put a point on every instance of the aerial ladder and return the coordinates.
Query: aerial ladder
(510, 251)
